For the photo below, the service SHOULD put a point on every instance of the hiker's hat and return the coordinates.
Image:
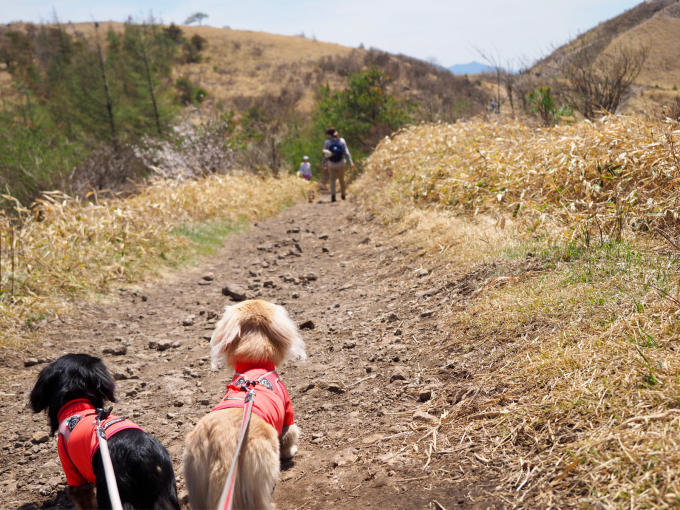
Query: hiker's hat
(305, 158)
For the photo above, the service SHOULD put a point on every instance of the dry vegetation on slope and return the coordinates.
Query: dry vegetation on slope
(564, 316)
(653, 25)
(63, 250)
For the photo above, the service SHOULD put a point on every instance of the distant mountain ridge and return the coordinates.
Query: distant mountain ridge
(473, 67)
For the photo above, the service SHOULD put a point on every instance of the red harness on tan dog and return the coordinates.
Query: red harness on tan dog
(77, 441)
(273, 402)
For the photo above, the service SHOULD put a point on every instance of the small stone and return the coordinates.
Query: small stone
(392, 317)
(423, 416)
(298, 247)
(29, 362)
(295, 295)
(204, 401)
(323, 237)
(397, 332)
(324, 250)
(349, 345)
(336, 388)
(40, 437)
(120, 376)
(178, 403)
(208, 277)
(310, 386)
(235, 292)
(344, 458)
(269, 284)
(118, 350)
(399, 374)
(427, 293)
(369, 369)
(365, 240)
(160, 345)
(427, 313)
(307, 325)
(425, 395)
(171, 416)
(293, 230)
(422, 272)
(288, 278)
(310, 277)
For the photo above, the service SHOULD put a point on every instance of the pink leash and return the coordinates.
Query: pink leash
(227, 496)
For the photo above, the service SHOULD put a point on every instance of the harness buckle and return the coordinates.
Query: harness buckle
(102, 414)
(249, 396)
(265, 382)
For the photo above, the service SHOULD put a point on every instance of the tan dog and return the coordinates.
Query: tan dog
(253, 337)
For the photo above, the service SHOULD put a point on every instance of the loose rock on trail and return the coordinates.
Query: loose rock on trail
(368, 399)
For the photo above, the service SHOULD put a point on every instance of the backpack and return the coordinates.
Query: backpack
(337, 151)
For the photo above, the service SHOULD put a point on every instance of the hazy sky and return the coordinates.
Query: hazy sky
(448, 31)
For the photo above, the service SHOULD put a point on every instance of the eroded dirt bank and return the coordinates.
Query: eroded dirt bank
(368, 400)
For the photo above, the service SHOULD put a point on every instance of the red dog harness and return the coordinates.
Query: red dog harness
(272, 402)
(78, 440)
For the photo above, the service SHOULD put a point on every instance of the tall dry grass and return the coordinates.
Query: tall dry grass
(62, 249)
(569, 393)
(598, 175)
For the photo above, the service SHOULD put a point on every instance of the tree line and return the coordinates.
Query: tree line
(76, 94)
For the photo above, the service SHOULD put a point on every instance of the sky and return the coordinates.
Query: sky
(512, 33)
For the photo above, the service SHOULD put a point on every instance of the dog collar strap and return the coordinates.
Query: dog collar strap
(77, 406)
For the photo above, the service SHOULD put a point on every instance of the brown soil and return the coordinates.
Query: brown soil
(367, 400)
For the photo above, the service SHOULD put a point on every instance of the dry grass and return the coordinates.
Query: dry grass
(65, 250)
(566, 385)
(589, 177)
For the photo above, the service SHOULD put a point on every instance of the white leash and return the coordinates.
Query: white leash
(106, 460)
(227, 497)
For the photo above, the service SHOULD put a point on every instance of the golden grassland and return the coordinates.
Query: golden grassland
(63, 250)
(572, 336)
(658, 35)
(242, 63)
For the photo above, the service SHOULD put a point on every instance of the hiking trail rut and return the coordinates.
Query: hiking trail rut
(367, 399)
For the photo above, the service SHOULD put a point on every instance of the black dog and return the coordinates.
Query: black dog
(70, 389)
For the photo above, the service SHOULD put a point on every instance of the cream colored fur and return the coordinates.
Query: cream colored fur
(249, 331)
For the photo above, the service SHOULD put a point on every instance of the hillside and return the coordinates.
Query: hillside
(240, 66)
(653, 25)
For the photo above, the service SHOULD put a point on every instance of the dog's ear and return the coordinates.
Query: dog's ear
(99, 380)
(285, 336)
(226, 331)
(48, 383)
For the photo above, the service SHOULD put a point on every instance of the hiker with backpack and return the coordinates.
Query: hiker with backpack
(335, 158)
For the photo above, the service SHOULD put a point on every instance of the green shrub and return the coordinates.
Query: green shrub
(541, 102)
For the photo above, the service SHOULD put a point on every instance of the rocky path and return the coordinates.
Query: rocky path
(367, 400)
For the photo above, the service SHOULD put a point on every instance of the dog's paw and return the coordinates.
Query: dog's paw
(289, 440)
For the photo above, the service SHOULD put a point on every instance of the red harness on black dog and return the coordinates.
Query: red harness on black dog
(78, 440)
(273, 402)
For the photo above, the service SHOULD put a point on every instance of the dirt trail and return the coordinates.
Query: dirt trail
(367, 399)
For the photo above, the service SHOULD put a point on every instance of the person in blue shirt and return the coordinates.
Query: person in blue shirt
(336, 156)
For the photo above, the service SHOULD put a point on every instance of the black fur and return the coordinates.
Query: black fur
(143, 467)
